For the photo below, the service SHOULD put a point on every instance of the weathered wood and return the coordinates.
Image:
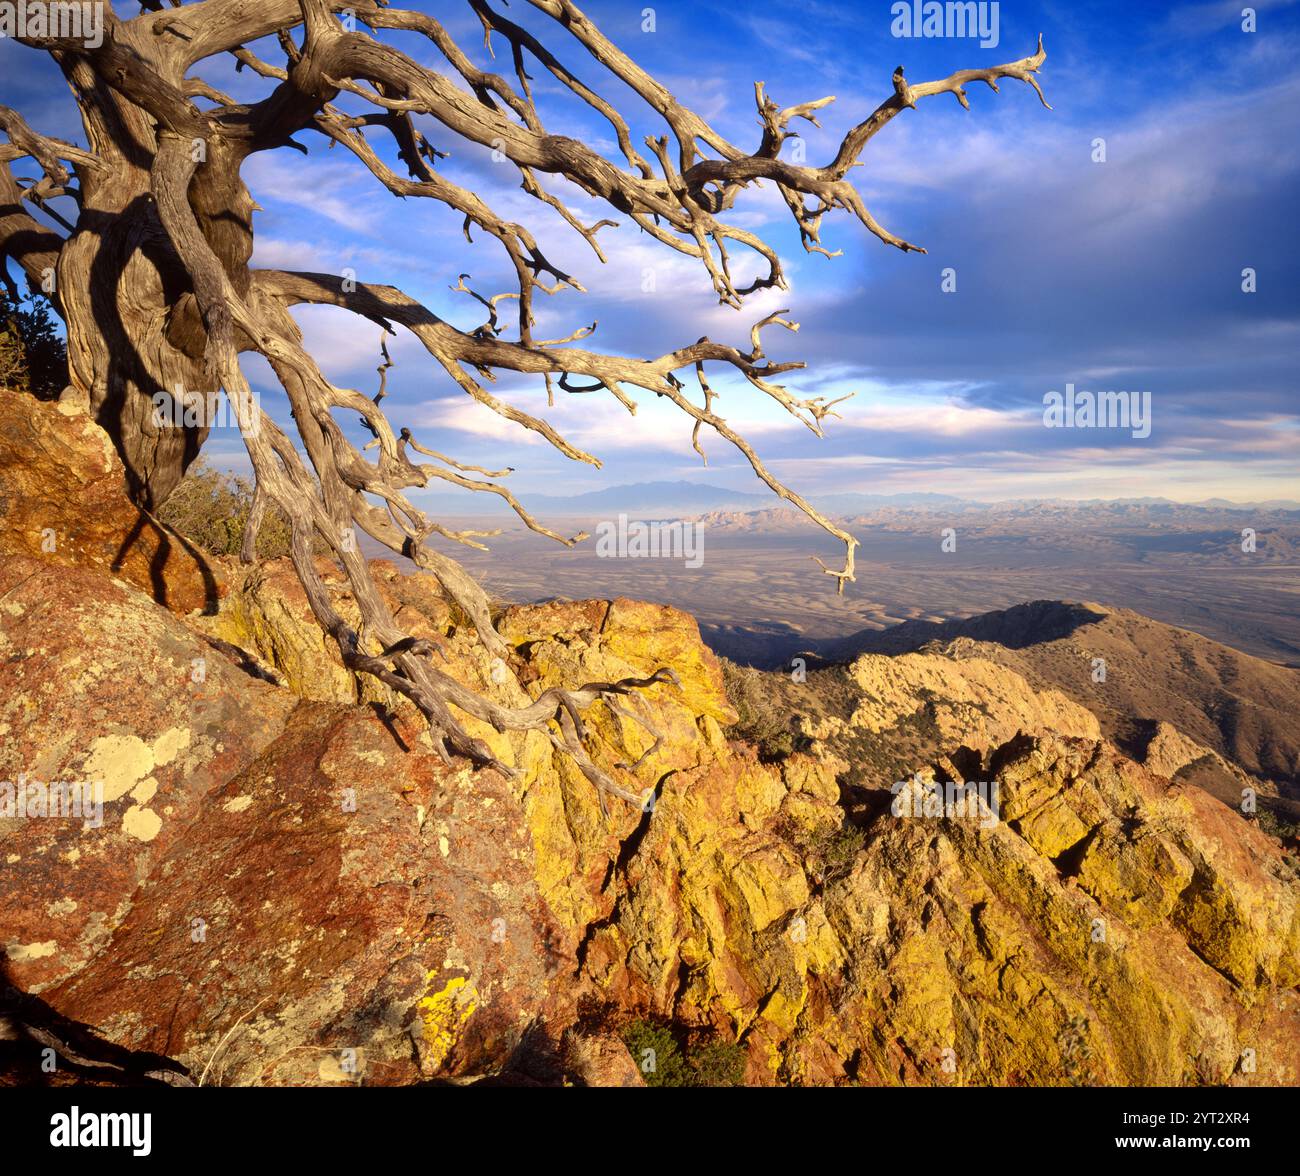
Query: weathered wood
(154, 282)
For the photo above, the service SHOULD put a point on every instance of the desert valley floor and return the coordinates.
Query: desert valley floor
(760, 598)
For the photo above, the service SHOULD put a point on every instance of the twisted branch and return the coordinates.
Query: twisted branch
(138, 89)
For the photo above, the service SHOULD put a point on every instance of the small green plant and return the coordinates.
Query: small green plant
(764, 719)
(718, 1063)
(664, 1060)
(1076, 1052)
(836, 849)
(210, 508)
(1277, 825)
(828, 850)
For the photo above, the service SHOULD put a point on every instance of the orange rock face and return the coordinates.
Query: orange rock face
(312, 865)
(62, 500)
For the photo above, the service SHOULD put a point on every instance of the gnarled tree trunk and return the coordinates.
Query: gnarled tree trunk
(154, 281)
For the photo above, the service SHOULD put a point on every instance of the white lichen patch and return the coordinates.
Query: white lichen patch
(345, 1066)
(119, 763)
(143, 792)
(169, 744)
(61, 906)
(237, 804)
(21, 953)
(141, 823)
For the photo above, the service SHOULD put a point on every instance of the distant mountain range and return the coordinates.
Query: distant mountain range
(693, 497)
(699, 496)
(648, 496)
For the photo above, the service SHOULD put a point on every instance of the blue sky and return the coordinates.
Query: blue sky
(1122, 275)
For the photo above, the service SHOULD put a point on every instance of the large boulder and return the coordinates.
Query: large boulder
(98, 686)
(276, 890)
(62, 500)
(972, 702)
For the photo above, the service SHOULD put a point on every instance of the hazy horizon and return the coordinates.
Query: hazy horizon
(757, 500)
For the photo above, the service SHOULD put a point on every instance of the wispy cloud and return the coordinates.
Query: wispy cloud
(1124, 274)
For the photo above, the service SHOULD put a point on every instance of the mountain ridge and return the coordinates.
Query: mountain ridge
(684, 494)
(1132, 672)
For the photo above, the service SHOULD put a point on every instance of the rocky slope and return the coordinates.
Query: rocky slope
(289, 887)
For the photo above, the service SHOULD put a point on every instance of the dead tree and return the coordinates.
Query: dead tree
(155, 286)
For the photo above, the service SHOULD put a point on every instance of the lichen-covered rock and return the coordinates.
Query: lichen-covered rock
(62, 501)
(369, 914)
(599, 1060)
(1150, 938)
(290, 891)
(973, 703)
(100, 687)
(265, 612)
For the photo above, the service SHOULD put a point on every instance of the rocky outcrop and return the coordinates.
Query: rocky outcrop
(274, 880)
(98, 684)
(277, 890)
(289, 887)
(62, 500)
(1071, 931)
(1132, 672)
(1169, 751)
(973, 702)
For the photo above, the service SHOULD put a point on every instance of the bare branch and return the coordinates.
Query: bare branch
(158, 291)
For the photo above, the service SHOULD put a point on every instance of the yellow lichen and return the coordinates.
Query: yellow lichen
(118, 763)
(443, 1015)
(169, 744)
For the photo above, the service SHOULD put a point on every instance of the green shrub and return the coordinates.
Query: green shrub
(764, 719)
(828, 850)
(1277, 824)
(664, 1060)
(718, 1063)
(657, 1054)
(33, 357)
(210, 508)
(835, 849)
